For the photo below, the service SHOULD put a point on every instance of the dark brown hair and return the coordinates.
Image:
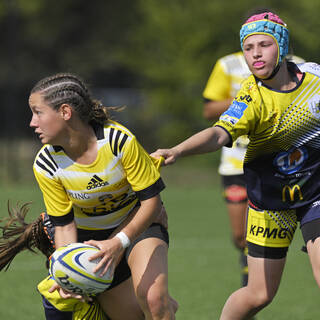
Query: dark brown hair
(70, 89)
(17, 235)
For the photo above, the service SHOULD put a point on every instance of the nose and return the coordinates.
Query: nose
(33, 122)
(256, 52)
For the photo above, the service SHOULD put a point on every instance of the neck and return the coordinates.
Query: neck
(283, 80)
(81, 143)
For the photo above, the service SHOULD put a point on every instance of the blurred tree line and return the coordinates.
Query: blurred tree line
(161, 50)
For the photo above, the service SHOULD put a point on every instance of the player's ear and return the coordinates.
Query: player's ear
(66, 111)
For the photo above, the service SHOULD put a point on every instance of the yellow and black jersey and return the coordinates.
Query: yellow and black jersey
(281, 165)
(102, 194)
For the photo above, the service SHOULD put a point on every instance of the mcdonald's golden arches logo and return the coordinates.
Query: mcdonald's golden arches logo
(291, 192)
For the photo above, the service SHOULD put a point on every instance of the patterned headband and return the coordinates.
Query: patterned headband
(269, 24)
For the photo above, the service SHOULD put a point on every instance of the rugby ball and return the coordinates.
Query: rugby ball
(71, 269)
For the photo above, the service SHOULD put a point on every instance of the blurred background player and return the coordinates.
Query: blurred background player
(224, 82)
(222, 86)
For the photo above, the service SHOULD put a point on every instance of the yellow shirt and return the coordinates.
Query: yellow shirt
(103, 193)
(282, 160)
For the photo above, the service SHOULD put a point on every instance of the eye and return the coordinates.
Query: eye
(36, 111)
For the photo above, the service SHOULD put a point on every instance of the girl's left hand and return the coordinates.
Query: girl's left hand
(111, 251)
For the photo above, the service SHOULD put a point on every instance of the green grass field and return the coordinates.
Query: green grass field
(203, 265)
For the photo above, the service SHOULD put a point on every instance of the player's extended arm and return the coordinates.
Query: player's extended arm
(208, 140)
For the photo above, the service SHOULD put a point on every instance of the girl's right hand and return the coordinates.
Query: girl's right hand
(110, 252)
(169, 155)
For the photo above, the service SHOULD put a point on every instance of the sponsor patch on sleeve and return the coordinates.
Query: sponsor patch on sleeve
(235, 112)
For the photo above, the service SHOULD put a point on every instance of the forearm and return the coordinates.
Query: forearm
(143, 218)
(208, 140)
(65, 234)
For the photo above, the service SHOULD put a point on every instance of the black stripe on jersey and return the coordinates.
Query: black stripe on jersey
(115, 150)
(110, 139)
(114, 141)
(151, 191)
(47, 162)
(43, 167)
(124, 139)
(57, 148)
(62, 220)
(50, 156)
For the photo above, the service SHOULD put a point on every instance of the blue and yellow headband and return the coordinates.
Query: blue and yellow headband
(263, 25)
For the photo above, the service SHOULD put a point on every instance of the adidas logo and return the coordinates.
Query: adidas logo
(96, 182)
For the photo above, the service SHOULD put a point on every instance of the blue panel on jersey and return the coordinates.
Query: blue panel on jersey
(236, 110)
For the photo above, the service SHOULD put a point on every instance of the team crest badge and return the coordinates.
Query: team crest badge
(291, 161)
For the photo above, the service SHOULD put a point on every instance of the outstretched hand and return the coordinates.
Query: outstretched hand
(170, 155)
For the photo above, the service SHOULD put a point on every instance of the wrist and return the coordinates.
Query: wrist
(124, 239)
(177, 151)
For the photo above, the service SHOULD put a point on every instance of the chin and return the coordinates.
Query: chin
(262, 75)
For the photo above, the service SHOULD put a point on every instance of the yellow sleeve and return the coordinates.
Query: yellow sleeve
(218, 86)
(140, 168)
(243, 114)
(54, 195)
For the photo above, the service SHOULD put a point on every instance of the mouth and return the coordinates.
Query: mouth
(258, 64)
(40, 134)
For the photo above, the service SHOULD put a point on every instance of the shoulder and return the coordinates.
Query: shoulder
(310, 67)
(45, 160)
(117, 135)
(249, 90)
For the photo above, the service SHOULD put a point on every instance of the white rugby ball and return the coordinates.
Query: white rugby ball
(71, 269)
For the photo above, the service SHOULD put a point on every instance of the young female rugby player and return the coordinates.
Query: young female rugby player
(94, 175)
(278, 108)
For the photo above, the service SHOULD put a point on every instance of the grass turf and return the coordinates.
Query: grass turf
(203, 265)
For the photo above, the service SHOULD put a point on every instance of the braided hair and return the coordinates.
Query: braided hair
(17, 235)
(70, 89)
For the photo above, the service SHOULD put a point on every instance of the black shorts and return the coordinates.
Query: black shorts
(234, 188)
(122, 271)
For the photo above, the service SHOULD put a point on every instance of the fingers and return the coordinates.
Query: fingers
(169, 160)
(155, 154)
(67, 295)
(107, 267)
(97, 245)
(93, 243)
(54, 287)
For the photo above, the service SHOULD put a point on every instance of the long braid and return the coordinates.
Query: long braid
(17, 235)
